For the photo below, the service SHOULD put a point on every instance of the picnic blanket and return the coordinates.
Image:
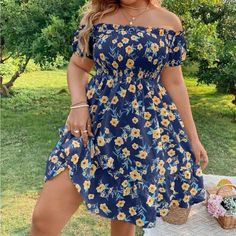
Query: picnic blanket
(200, 222)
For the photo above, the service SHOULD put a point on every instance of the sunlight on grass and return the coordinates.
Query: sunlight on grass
(206, 98)
(42, 79)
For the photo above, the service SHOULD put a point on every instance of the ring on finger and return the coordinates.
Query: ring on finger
(76, 131)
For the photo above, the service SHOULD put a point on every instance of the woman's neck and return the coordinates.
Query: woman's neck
(136, 4)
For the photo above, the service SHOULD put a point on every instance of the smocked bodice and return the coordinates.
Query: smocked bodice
(136, 51)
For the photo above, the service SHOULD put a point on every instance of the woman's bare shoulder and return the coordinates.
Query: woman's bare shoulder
(170, 18)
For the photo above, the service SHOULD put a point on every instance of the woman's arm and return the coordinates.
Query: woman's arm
(172, 79)
(77, 79)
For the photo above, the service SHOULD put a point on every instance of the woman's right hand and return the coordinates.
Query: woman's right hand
(79, 120)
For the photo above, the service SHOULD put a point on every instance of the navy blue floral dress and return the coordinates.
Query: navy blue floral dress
(139, 162)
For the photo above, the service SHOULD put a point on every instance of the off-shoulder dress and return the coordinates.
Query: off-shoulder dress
(140, 160)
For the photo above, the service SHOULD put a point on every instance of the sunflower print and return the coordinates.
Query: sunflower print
(140, 161)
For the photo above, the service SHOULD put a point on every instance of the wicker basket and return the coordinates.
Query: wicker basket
(177, 215)
(227, 221)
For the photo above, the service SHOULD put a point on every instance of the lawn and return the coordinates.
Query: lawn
(40, 106)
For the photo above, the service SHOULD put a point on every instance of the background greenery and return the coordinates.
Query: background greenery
(211, 32)
(42, 31)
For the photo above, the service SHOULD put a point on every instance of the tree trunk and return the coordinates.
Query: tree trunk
(4, 88)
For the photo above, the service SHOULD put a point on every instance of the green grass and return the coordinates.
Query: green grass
(30, 121)
(214, 113)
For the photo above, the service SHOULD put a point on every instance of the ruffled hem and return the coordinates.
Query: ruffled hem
(94, 210)
(88, 173)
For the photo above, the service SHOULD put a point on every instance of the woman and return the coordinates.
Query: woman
(130, 142)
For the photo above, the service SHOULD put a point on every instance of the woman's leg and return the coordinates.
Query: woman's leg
(122, 228)
(58, 200)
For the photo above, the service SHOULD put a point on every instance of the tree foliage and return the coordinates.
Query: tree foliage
(38, 30)
(211, 33)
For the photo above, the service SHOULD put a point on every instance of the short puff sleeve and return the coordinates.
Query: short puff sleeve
(75, 43)
(177, 49)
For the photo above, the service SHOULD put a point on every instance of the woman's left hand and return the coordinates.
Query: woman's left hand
(200, 153)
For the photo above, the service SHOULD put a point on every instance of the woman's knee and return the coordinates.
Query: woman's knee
(41, 223)
(54, 208)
